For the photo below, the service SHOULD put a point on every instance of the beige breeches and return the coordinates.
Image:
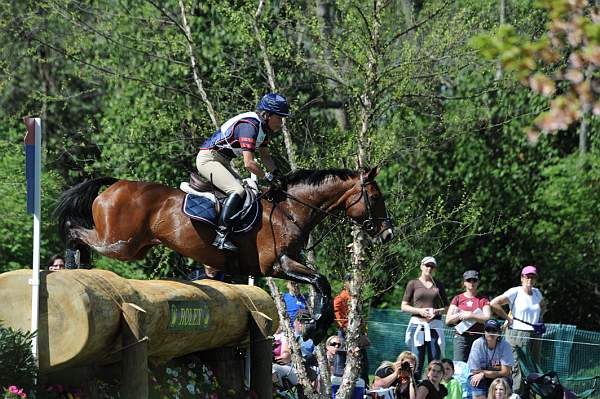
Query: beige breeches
(217, 168)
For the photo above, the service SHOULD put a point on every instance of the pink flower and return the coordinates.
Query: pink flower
(13, 389)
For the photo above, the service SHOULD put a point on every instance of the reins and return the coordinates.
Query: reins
(367, 226)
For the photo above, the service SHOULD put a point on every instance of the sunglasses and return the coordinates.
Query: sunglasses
(472, 280)
(336, 344)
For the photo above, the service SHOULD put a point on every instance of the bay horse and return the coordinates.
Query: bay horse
(130, 217)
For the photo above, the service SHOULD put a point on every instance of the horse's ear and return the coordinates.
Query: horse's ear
(372, 173)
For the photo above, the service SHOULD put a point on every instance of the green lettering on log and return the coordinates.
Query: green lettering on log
(188, 315)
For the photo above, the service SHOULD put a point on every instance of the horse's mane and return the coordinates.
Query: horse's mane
(316, 177)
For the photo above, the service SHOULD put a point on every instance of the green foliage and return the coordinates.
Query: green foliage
(114, 84)
(17, 364)
(16, 230)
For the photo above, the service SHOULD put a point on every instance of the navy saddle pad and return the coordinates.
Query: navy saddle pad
(203, 209)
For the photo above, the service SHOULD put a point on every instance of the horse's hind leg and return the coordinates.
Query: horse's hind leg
(89, 238)
(323, 309)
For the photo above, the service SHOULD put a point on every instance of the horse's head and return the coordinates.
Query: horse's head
(366, 206)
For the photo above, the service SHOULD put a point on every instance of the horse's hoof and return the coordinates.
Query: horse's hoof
(314, 332)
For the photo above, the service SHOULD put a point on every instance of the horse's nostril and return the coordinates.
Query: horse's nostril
(387, 235)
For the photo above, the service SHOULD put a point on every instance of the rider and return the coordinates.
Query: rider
(241, 135)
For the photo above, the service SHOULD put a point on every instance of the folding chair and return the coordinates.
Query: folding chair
(539, 384)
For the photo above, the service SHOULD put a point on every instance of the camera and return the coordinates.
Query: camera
(405, 366)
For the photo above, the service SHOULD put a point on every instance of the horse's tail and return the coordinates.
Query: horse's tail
(74, 207)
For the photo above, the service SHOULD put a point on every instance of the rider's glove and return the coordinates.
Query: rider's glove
(274, 178)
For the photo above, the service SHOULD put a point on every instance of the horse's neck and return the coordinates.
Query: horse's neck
(327, 196)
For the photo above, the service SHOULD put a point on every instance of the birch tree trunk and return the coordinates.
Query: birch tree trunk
(359, 244)
(281, 307)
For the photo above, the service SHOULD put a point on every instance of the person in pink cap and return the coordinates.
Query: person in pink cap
(527, 307)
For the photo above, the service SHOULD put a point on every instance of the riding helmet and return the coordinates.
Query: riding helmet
(274, 103)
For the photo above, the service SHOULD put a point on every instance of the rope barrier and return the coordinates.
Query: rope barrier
(478, 333)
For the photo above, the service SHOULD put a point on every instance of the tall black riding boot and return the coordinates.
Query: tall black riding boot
(231, 206)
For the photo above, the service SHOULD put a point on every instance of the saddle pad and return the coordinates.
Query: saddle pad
(203, 210)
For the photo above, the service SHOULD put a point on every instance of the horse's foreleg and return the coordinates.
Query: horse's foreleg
(323, 307)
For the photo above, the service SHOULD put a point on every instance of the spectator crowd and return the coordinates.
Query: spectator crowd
(484, 348)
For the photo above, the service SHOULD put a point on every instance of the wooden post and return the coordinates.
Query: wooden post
(134, 375)
(227, 364)
(261, 355)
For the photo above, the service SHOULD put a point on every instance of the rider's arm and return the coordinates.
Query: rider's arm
(251, 165)
(265, 157)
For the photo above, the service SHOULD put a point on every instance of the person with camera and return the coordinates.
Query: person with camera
(527, 307)
(398, 375)
(490, 358)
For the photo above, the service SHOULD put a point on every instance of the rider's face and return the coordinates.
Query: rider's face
(274, 122)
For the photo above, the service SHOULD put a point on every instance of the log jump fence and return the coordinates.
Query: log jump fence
(91, 320)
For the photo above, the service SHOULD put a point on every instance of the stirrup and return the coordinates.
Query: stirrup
(222, 242)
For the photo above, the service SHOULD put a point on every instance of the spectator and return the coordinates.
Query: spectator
(527, 307)
(431, 387)
(491, 357)
(452, 385)
(294, 301)
(341, 307)
(399, 375)
(469, 311)
(208, 272)
(307, 347)
(283, 373)
(426, 299)
(56, 262)
(283, 370)
(332, 345)
(499, 389)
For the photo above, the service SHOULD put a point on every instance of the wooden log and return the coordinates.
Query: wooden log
(81, 314)
(134, 375)
(227, 365)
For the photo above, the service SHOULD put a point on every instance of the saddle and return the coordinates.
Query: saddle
(204, 200)
(200, 184)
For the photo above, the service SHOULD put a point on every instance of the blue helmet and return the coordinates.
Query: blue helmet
(274, 103)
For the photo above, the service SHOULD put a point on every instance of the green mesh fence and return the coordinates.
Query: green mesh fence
(565, 349)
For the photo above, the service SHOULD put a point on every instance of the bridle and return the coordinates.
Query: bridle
(368, 224)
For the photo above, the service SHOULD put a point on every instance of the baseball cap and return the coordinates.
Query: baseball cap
(428, 259)
(471, 274)
(491, 325)
(529, 270)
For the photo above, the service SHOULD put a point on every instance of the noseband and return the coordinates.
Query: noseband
(368, 224)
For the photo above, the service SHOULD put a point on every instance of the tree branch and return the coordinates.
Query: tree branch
(197, 80)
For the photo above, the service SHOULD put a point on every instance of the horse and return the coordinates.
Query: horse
(130, 217)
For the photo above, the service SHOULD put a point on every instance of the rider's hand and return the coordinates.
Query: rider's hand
(274, 178)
